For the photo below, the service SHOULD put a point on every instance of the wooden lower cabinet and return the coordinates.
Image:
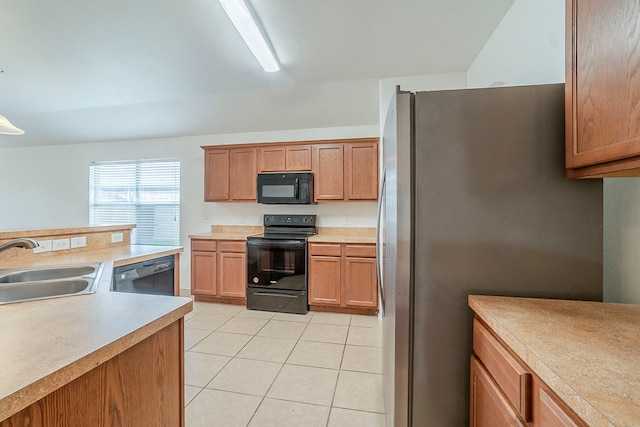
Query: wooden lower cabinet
(489, 406)
(506, 392)
(324, 280)
(343, 276)
(232, 279)
(142, 386)
(218, 270)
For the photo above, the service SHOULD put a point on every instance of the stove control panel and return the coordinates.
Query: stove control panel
(293, 220)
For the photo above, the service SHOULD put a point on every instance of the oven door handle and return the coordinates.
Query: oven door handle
(277, 244)
(271, 294)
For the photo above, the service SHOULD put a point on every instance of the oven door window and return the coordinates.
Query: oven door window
(277, 264)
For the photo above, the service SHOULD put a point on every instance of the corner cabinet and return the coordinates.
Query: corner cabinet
(230, 174)
(602, 88)
(504, 391)
(218, 270)
(344, 169)
(342, 277)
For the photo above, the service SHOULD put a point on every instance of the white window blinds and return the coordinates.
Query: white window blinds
(141, 192)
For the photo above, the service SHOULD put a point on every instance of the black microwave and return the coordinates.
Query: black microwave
(285, 188)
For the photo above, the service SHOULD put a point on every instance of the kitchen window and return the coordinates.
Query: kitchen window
(141, 192)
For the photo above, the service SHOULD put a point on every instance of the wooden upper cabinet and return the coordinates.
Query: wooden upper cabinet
(272, 159)
(361, 171)
(216, 175)
(230, 174)
(298, 158)
(328, 170)
(281, 158)
(602, 88)
(344, 169)
(243, 180)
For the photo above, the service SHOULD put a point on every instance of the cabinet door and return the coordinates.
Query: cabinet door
(243, 178)
(272, 159)
(216, 175)
(361, 171)
(203, 273)
(298, 158)
(324, 280)
(328, 169)
(232, 274)
(551, 413)
(361, 282)
(602, 86)
(489, 408)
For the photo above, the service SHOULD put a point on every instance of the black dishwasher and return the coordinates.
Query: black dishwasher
(155, 276)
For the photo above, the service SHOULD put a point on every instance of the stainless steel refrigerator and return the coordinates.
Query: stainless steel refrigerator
(474, 201)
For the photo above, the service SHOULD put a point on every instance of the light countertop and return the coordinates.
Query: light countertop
(120, 255)
(229, 232)
(48, 343)
(587, 352)
(344, 235)
(325, 234)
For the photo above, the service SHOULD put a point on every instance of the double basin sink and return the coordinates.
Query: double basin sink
(26, 284)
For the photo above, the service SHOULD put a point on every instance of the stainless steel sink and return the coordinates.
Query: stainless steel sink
(19, 285)
(46, 273)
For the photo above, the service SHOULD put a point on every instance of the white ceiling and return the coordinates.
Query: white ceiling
(82, 71)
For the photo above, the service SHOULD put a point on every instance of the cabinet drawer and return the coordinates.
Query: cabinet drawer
(229, 246)
(508, 373)
(203, 245)
(362, 251)
(324, 249)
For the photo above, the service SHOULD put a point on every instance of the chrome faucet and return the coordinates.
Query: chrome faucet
(23, 242)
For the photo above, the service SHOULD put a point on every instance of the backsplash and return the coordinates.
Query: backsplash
(62, 241)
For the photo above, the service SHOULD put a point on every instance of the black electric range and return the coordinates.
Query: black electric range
(277, 264)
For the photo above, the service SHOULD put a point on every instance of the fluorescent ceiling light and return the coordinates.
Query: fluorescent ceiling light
(7, 128)
(250, 31)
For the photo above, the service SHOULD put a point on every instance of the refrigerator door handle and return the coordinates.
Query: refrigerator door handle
(379, 250)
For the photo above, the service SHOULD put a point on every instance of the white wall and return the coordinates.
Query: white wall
(526, 48)
(622, 240)
(48, 186)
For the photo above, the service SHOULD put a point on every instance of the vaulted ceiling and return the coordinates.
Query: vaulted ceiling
(82, 71)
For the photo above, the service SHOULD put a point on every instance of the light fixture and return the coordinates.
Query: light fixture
(249, 29)
(7, 128)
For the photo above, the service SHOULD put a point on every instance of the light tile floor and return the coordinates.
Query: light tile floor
(255, 368)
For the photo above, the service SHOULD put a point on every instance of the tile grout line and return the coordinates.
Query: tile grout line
(278, 374)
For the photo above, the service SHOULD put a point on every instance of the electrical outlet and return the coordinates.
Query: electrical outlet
(242, 219)
(116, 237)
(45, 246)
(60, 244)
(346, 219)
(78, 242)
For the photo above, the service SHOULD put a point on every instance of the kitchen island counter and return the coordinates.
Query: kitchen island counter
(588, 353)
(47, 344)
